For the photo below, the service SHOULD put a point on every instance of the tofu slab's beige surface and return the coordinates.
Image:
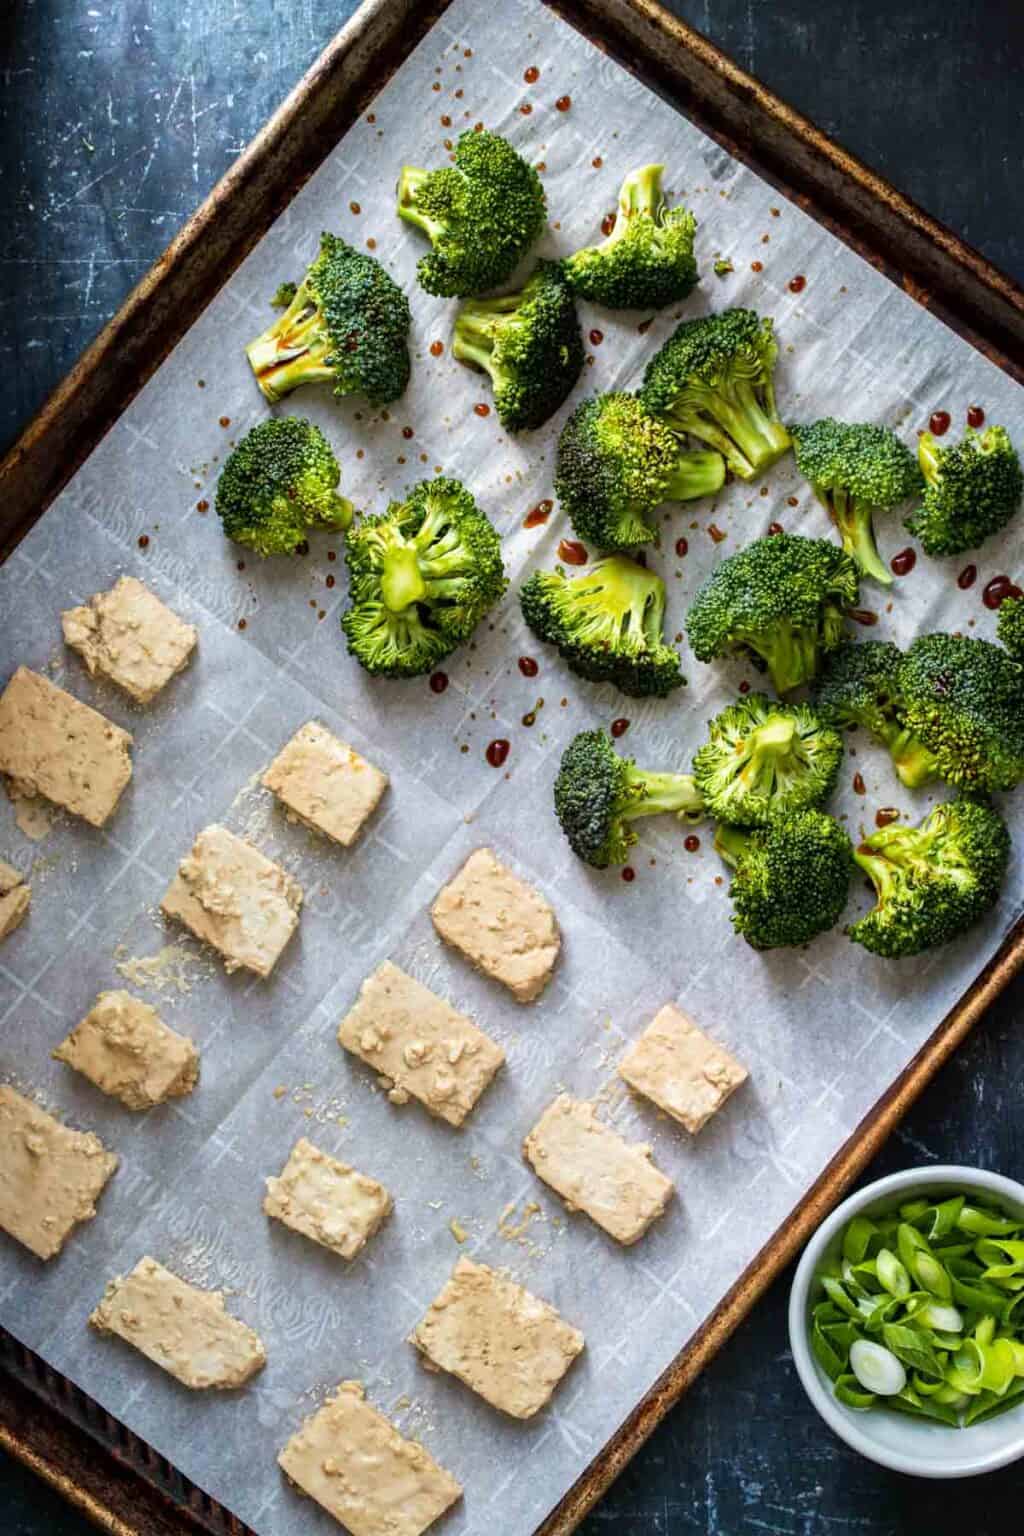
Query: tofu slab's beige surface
(50, 1176)
(326, 1200)
(674, 1064)
(53, 745)
(124, 1047)
(181, 1328)
(235, 899)
(422, 1048)
(130, 637)
(325, 784)
(594, 1170)
(502, 926)
(15, 898)
(508, 1345)
(357, 1466)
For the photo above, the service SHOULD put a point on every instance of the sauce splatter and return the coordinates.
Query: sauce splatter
(798, 283)
(691, 843)
(975, 417)
(531, 75)
(563, 103)
(865, 616)
(903, 563)
(538, 515)
(241, 623)
(620, 726)
(225, 421)
(436, 348)
(329, 581)
(744, 686)
(202, 506)
(354, 208)
(968, 576)
(775, 528)
(757, 266)
(859, 787)
(597, 162)
(607, 223)
(573, 552)
(938, 423)
(629, 874)
(682, 547)
(717, 534)
(997, 591)
(596, 338)
(497, 751)
(885, 815)
(527, 666)
(407, 432)
(482, 408)
(525, 108)
(143, 540)
(438, 682)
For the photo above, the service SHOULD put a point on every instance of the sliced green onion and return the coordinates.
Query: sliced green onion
(930, 1274)
(848, 1390)
(857, 1238)
(891, 1273)
(877, 1368)
(987, 1223)
(940, 1317)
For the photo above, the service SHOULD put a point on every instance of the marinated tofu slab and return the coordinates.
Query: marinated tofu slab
(184, 1330)
(50, 1176)
(594, 1170)
(236, 900)
(356, 1465)
(124, 1047)
(15, 899)
(325, 784)
(509, 1346)
(53, 745)
(502, 925)
(326, 1200)
(676, 1066)
(130, 637)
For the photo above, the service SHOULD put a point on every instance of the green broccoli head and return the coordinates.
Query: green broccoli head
(791, 879)
(607, 624)
(931, 881)
(715, 378)
(856, 469)
(646, 261)
(781, 600)
(422, 576)
(283, 295)
(346, 325)
(616, 464)
(763, 759)
(1010, 626)
(972, 489)
(278, 483)
(528, 342)
(859, 685)
(598, 795)
(480, 214)
(964, 701)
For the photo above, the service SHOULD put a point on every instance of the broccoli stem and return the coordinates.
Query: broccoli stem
(854, 520)
(928, 457)
(880, 870)
(292, 351)
(401, 582)
(730, 418)
(914, 764)
(789, 652)
(697, 473)
(639, 193)
(731, 843)
(657, 793)
(409, 184)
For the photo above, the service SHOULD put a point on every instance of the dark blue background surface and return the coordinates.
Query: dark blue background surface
(116, 117)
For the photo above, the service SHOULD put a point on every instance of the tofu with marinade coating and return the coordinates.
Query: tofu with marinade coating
(51, 744)
(502, 925)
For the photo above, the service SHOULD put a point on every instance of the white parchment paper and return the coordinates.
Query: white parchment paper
(823, 1031)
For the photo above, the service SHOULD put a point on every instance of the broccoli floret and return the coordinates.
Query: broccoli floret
(646, 261)
(481, 215)
(598, 794)
(606, 623)
(714, 378)
(791, 877)
(781, 600)
(972, 489)
(347, 325)
(1010, 626)
(931, 881)
(284, 295)
(856, 469)
(763, 759)
(964, 700)
(278, 483)
(423, 574)
(529, 343)
(859, 685)
(616, 464)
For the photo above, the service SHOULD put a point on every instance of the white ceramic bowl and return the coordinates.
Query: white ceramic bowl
(914, 1446)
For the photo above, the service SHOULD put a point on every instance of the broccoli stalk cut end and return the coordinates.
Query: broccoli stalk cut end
(409, 183)
(854, 520)
(292, 351)
(655, 794)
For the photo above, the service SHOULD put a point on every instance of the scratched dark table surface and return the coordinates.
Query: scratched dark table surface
(116, 118)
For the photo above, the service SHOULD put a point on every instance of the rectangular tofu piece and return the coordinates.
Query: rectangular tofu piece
(324, 783)
(357, 1466)
(327, 1200)
(596, 1171)
(50, 1176)
(124, 1047)
(15, 897)
(235, 899)
(421, 1047)
(502, 926)
(130, 637)
(676, 1066)
(53, 745)
(508, 1345)
(183, 1329)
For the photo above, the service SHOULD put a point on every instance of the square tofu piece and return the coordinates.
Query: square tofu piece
(596, 1171)
(50, 1176)
(327, 1200)
(422, 1048)
(15, 897)
(53, 745)
(502, 926)
(325, 784)
(680, 1069)
(235, 899)
(179, 1327)
(130, 637)
(363, 1472)
(509, 1346)
(124, 1047)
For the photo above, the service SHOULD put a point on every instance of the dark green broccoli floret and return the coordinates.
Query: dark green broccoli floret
(964, 700)
(714, 378)
(423, 574)
(856, 469)
(931, 881)
(598, 794)
(616, 464)
(781, 600)
(529, 343)
(1010, 626)
(284, 295)
(347, 326)
(278, 483)
(972, 490)
(791, 878)
(481, 215)
(606, 623)
(646, 261)
(859, 685)
(763, 759)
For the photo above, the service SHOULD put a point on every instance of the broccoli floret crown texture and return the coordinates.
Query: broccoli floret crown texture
(598, 795)
(791, 878)
(964, 700)
(859, 685)
(972, 489)
(763, 759)
(646, 261)
(279, 483)
(1010, 626)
